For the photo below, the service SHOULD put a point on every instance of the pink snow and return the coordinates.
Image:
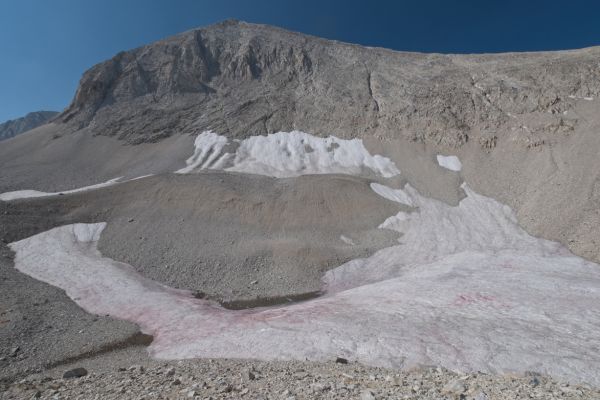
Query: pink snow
(442, 296)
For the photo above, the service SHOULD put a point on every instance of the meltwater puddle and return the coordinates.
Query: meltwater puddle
(466, 289)
(269, 301)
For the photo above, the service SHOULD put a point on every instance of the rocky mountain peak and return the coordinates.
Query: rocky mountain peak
(243, 79)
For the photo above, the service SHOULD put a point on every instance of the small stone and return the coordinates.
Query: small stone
(341, 360)
(566, 390)
(455, 387)
(75, 373)
(481, 396)
(244, 391)
(227, 388)
(367, 395)
(253, 282)
(176, 381)
(130, 220)
(14, 351)
(37, 394)
(137, 368)
(170, 371)
(191, 394)
(250, 375)
(534, 381)
(320, 387)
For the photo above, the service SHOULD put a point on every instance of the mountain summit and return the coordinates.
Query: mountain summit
(243, 79)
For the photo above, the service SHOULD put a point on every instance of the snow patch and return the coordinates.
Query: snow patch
(449, 162)
(347, 240)
(587, 98)
(287, 154)
(22, 194)
(466, 289)
(140, 177)
(397, 195)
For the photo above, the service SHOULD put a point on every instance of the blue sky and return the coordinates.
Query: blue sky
(45, 46)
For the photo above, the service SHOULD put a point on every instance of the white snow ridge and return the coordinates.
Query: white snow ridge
(287, 154)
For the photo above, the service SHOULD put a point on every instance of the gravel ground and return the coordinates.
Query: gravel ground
(269, 238)
(231, 237)
(245, 379)
(40, 326)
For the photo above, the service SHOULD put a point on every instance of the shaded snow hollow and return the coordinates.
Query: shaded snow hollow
(287, 154)
(465, 288)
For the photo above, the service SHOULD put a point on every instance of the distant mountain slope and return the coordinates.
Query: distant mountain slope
(32, 120)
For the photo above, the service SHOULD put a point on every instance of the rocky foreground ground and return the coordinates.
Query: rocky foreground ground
(239, 379)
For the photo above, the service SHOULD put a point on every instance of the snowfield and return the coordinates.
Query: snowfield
(465, 288)
(287, 154)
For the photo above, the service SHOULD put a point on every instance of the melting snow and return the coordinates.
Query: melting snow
(466, 289)
(397, 195)
(587, 98)
(207, 147)
(347, 240)
(287, 154)
(22, 194)
(449, 162)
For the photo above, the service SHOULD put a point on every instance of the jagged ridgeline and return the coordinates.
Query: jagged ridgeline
(242, 79)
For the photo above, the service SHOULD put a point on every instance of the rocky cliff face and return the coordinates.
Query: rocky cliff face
(242, 79)
(32, 120)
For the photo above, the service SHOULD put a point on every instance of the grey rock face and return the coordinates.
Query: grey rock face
(32, 120)
(242, 79)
